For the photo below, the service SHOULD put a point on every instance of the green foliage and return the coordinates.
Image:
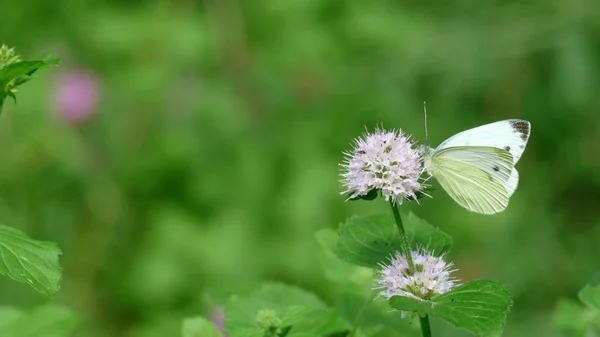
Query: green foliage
(374, 318)
(274, 308)
(590, 296)
(371, 239)
(576, 319)
(479, 306)
(43, 321)
(199, 327)
(342, 273)
(14, 72)
(371, 195)
(354, 301)
(211, 159)
(30, 261)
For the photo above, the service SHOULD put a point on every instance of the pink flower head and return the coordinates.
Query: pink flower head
(76, 96)
(217, 318)
(383, 160)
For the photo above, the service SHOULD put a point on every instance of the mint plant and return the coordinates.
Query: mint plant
(24, 259)
(14, 72)
(390, 269)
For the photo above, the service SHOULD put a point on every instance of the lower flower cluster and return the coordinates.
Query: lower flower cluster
(431, 276)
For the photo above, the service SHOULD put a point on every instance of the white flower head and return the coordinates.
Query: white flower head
(383, 160)
(431, 276)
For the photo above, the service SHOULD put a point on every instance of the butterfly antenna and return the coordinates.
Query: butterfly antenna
(425, 112)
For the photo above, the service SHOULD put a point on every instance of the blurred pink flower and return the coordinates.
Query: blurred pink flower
(217, 318)
(76, 96)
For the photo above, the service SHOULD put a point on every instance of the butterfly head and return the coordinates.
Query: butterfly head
(426, 154)
(424, 150)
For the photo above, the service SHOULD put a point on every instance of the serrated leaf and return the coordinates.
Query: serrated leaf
(29, 261)
(479, 306)
(336, 270)
(199, 327)
(421, 233)
(24, 68)
(301, 310)
(590, 296)
(43, 321)
(369, 240)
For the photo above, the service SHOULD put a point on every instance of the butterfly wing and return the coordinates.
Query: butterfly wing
(511, 135)
(512, 183)
(468, 175)
(491, 160)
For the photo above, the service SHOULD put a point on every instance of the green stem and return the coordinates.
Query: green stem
(425, 328)
(403, 237)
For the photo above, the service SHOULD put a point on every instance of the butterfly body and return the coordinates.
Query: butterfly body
(476, 166)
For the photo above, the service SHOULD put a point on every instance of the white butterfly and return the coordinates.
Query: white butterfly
(477, 166)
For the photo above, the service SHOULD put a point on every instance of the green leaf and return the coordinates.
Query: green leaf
(371, 195)
(374, 318)
(369, 240)
(29, 261)
(21, 69)
(336, 270)
(294, 307)
(421, 233)
(199, 327)
(590, 296)
(479, 306)
(44, 321)
(285, 331)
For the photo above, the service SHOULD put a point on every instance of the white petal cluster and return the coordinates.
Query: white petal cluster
(431, 276)
(383, 160)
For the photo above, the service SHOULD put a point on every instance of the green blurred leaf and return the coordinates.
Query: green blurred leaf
(30, 261)
(590, 296)
(44, 321)
(572, 317)
(295, 307)
(369, 240)
(8, 315)
(341, 272)
(15, 71)
(479, 306)
(199, 327)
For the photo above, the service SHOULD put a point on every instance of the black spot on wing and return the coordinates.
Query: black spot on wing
(496, 168)
(507, 148)
(521, 127)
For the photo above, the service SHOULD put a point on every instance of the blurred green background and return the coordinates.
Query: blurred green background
(186, 150)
